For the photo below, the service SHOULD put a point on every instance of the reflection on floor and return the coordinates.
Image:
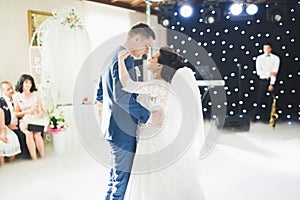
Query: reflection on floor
(263, 164)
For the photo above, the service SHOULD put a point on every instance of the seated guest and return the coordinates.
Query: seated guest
(9, 144)
(11, 121)
(25, 100)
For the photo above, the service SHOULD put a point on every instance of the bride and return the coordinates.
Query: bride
(165, 167)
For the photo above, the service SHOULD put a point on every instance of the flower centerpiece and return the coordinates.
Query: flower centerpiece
(57, 120)
(72, 20)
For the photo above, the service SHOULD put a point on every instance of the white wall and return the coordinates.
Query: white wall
(102, 22)
(14, 34)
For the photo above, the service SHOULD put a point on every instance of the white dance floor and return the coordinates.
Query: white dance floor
(262, 164)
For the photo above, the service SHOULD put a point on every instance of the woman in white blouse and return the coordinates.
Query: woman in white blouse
(25, 100)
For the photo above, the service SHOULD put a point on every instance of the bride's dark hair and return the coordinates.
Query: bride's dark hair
(171, 62)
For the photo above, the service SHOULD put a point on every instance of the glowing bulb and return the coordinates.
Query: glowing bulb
(236, 9)
(252, 9)
(186, 11)
(166, 22)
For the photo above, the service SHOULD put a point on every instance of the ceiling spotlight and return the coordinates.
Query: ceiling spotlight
(211, 15)
(277, 17)
(210, 19)
(165, 15)
(236, 8)
(165, 22)
(186, 11)
(252, 9)
(276, 13)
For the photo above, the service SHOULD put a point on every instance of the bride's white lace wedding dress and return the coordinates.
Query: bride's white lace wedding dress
(165, 165)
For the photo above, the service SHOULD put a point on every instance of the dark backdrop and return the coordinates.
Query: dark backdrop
(237, 42)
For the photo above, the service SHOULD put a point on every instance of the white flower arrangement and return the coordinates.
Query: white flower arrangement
(57, 120)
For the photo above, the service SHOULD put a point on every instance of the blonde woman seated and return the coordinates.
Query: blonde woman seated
(9, 143)
(25, 100)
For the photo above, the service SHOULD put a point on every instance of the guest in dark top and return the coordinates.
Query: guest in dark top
(11, 120)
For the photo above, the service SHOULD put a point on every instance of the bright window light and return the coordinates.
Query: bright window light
(236, 8)
(186, 11)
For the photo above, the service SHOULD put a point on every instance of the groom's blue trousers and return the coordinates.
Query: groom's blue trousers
(122, 159)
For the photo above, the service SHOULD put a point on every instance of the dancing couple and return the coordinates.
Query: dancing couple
(141, 120)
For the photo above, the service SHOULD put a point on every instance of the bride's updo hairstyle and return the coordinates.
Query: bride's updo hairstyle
(171, 61)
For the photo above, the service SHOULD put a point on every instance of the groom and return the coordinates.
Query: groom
(121, 111)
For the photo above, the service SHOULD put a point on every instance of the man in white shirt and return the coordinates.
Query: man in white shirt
(11, 120)
(267, 66)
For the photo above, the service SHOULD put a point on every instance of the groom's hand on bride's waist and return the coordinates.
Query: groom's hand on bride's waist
(156, 118)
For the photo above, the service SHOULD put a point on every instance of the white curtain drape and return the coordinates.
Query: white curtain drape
(63, 53)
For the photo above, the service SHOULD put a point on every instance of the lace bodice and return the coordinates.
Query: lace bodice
(155, 95)
(157, 90)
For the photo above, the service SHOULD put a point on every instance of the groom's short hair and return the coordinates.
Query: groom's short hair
(142, 29)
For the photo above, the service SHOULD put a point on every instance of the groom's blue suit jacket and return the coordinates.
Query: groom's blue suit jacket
(121, 111)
